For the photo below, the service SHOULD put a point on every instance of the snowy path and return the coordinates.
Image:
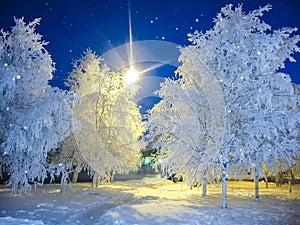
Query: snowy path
(150, 201)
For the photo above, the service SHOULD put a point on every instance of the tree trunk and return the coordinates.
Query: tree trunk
(96, 180)
(279, 179)
(75, 174)
(266, 178)
(75, 177)
(290, 177)
(224, 187)
(63, 182)
(204, 187)
(256, 185)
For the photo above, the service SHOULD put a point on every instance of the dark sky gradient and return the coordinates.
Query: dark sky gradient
(72, 26)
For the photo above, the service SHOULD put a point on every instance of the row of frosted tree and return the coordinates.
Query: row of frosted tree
(46, 132)
(227, 112)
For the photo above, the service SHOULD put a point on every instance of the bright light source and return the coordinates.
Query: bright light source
(147, 161)
(131, 75)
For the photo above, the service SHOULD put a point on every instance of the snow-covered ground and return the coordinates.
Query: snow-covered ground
(150, 200)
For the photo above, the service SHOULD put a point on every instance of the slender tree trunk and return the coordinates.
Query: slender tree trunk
(256, 185)
(290, 177)
(266, 178)
(96, 180)
(75, 174)
(75, 177)
(279, 179)
(204, 187)
(224, 187)
(63, 182)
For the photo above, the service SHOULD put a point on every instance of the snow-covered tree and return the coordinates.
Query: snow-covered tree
(107, 122)
(245, 55)
(179, 129)
(261, 117)
(35, 117)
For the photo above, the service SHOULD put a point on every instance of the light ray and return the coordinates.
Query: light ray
(157, 65)
(130, 34)
(131, 74)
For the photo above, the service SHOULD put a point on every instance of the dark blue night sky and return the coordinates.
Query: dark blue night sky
(72, 26)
